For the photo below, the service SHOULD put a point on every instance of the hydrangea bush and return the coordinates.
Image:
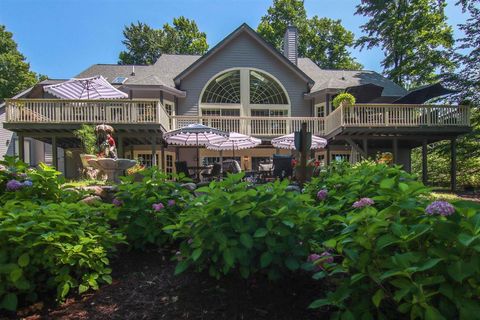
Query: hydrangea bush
(147, 206)
(393, 254)
(233, 228)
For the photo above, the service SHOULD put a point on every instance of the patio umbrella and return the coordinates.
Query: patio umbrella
(85, 88)
(195, 134)
(235, 141)
(366, 92)
(288, 142)
(425, 93)
(104, 128)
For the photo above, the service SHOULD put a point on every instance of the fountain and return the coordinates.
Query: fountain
(112, 167)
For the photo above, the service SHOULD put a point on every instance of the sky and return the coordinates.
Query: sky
(60, 38)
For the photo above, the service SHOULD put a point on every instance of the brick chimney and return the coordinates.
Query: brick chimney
(290, 44)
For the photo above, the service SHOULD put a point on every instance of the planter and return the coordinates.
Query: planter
(85, 158)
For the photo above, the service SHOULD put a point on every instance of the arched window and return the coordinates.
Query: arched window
(223, 89)
(265, 90)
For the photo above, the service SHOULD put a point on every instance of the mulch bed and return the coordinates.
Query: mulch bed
(144, 287)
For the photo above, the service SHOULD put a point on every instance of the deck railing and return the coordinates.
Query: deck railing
(86, 111)
(397, 115)
(147, 111)
(256, 126)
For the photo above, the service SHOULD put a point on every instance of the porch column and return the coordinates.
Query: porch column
(327, 161)
(131, 152)
(395, 150)
(154, 150)
(365, 147)
(121, 153)
(21, 146)
(453, 164)
(54, 152)
(162, 156)
(424, 162)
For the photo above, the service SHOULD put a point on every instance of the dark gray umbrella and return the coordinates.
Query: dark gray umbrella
(424, 93)
(365, 93)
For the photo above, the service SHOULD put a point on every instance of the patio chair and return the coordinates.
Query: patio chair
(231, 166)
(216, 172)
(282, 166)
(181, 167)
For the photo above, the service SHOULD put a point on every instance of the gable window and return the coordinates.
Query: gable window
(265, 90)
(223, 89)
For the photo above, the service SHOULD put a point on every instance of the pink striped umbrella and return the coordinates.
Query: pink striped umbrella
(85, 88)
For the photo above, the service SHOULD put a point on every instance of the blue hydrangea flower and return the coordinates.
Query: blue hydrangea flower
(442, 208)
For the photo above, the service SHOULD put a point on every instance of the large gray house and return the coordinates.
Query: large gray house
(242, 84)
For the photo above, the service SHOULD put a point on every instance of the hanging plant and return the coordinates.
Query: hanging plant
(345, 99)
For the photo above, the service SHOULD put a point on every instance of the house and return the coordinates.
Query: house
(242, 84)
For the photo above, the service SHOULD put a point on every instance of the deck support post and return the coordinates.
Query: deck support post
(327, 161)
(154, 150)
(365, 147)
(424, 162)
(395, 150)
(54, 152)
(453, 164)
(121, 153)
(132, 157)
(21, 146)
(162, 156)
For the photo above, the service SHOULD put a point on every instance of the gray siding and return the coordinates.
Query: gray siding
(243, 51)
(5, 135)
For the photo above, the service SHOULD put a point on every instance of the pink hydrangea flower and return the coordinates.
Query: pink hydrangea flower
(158, 206)
(14, 185)
(320, 259)
(171, 203)
(442, 208)
(117, 202)
(363, 202)
(322, 194)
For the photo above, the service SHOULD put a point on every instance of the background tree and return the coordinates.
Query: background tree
(15, 74)
(414, 35)
(323, 40)
(144, 44)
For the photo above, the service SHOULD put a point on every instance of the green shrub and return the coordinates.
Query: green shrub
(391, 258)
(50, 246)
(236, 228)
(148, 206)
(344, 97)
(44, 183)
(87, 136)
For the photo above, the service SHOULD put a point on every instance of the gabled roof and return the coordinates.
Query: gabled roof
(342, 79)
(244, 28)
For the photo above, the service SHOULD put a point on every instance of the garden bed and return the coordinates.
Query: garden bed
(144, 287)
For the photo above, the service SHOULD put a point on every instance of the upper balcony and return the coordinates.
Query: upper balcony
(386, 118)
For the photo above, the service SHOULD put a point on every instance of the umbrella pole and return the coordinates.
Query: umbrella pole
(198, 159)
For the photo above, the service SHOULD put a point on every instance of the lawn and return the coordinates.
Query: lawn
(363, 241)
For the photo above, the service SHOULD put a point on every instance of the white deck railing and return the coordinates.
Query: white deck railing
(146, 111)
(86, 111)
(256, 126)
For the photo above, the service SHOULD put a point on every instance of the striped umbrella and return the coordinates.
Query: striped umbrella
(85, 88)
(195, 134)
(288, 142)
(235, 141)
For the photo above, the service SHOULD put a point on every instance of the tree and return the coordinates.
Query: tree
(414, 35)
(15, 74)
(145, 44)
(323, 40)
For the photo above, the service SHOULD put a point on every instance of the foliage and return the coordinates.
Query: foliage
(141, 216)
(414, 35)
(393, 257)
(15, 74)
(41, 184)
(145, 44)
(234, 228)
(88, 137)
(323, 40)
(48, 246)
(345, 98)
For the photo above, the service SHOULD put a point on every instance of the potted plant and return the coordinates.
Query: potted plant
(345, 100)
(86, 135)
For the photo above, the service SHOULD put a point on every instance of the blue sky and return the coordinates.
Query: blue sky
(60, 38)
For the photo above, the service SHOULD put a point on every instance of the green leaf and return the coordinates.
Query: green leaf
(319, 303)
(387, 183)
(466, 239)
(9, 302)
(24, 260)
(181, 266)
(461, 270)
(429, 264)
(82, 288)
(246, 240)
(65, 290)
(261, 232)
(196, 254)
(403, 186)
(431, 313)
(378, 297)
(16, 274)
(292, 263)
(229, 257)
(265, 259)
(330, 243)
(386, 240)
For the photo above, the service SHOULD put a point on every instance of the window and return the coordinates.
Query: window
(119, 80)
(169, 163)
(269, 113)
(27, 148)
(341, 157)
(170, 111)
(320, 110)
(221, 112)
(265, 90)
(224, 89)
(146, 159)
